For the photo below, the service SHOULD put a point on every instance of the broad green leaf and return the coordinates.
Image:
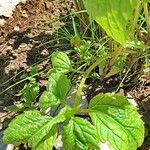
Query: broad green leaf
(61, 62)
(57, 89)
(48, 99)
(25, 126)
(46, 129)
(34, 129)
(48, 141)
(79, 134)
(117, 122)
(113, 16)
(59, 85)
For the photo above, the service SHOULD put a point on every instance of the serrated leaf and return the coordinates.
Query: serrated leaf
(113, 16)
(33, 128)
(61, 62)
(48, 141)
(24, 126)
(45, 130)
(57, 89)
(48, 99)
(117, 122)
(79, 134)
(58, 84)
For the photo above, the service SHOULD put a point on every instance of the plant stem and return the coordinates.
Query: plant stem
(147, 17)
(136, 16)
(87, 72)
(84, 19)
(129, 71)
(77, 71)
(25, 79)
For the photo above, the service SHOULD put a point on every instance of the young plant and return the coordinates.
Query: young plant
(29, 94)
(111, 118)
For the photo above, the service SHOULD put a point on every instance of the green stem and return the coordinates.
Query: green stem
(25, 79)
(147, 17)
(77, 71)
(87, 72)
(136, 16)
(129, 71)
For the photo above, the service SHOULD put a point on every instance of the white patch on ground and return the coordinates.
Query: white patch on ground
(4, 146)
(131, 100)
(7, 7)
(58, 144)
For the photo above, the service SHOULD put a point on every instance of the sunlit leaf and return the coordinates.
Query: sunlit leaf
(117, 121)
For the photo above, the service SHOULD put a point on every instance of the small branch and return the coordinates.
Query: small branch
(87, 72)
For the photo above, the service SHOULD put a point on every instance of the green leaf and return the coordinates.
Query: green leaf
(135, 43)
(48, 99)
(46, 129)
(38, 130)
(57, 89)
(146, 1)
(48, 141)
(114, 70)
(117, 122)
(79, 134)
(61, 62)
(30, 91)
(59, 85)
(34, 70)
(112, 16)
(24, 127)
(16, 107)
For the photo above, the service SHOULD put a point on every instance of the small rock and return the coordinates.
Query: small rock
(24, 14)
(2, 22)
(16, 28)
(23, 45)
(11, 41)
(48, 5)
(44, 52)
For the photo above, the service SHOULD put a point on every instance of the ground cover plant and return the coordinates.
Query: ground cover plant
(109, 118)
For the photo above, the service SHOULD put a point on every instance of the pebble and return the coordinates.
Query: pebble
(2, 22)
(48, 5)
(16, 28)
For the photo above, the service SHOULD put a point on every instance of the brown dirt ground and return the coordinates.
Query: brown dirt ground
(25, 40)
